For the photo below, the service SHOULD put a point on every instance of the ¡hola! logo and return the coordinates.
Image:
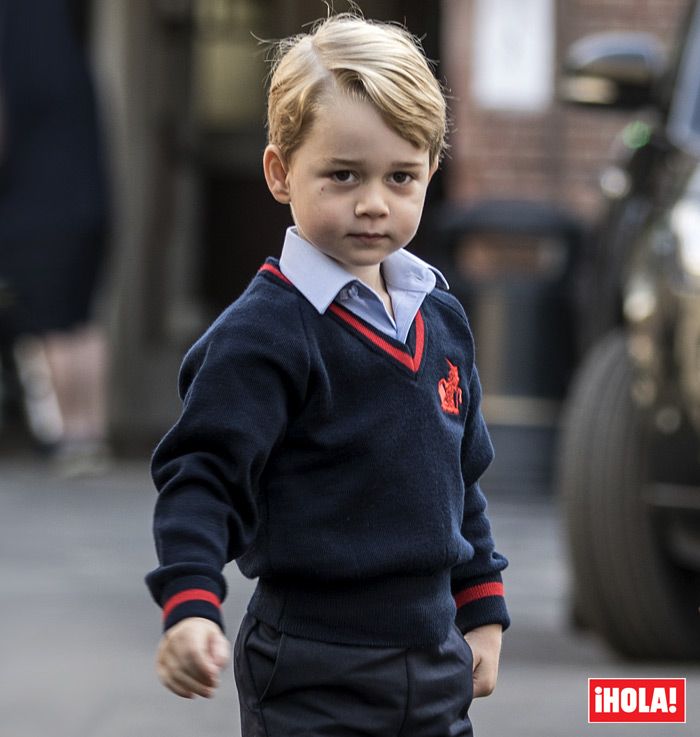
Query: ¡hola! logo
(634, 700)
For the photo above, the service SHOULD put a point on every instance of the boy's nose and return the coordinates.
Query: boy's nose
(371, 202)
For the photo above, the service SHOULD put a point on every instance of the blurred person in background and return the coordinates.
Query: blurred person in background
(53, 222)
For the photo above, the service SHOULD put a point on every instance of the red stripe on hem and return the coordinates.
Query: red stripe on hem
(274, 270)
(411, 362)
(189, 595)
(481, 591)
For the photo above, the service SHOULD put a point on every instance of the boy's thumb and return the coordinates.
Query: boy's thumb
(219, 649)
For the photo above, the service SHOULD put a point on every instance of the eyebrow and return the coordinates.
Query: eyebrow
(356, 162)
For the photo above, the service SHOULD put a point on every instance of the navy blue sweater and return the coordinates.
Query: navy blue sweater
(336, 465)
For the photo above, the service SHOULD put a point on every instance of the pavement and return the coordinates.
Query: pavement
(79, 631)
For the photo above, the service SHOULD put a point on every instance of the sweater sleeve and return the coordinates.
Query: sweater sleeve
(477, 585)
(237, 384)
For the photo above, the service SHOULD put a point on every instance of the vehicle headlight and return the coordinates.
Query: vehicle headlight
(685, 223)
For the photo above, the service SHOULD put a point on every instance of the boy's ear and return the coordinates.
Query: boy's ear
(433, 169)
(275, 169)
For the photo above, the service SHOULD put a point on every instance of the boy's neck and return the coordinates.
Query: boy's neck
(372, 276)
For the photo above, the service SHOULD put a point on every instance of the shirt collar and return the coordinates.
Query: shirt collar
(319, 278)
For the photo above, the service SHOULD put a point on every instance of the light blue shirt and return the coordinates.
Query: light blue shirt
(321, 280)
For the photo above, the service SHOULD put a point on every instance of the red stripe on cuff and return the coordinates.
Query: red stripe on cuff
(478, 592)
(189, 595)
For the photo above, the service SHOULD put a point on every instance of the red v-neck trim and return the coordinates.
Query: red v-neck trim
(274, 270)
(410, 362)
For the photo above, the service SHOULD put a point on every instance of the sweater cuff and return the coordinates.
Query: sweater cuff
(481, 604)
(191, 596)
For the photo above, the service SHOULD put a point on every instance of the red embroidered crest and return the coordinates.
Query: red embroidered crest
(450, 391)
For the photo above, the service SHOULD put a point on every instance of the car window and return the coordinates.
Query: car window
(684, 118)
(693, 189)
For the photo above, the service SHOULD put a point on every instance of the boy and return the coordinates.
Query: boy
(331, 440)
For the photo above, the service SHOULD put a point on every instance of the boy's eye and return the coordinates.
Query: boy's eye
(401, 177)
(342, 176)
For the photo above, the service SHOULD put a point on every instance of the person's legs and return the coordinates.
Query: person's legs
(78, 362)
(294, 687)
(78, 368)
(441, 689)
(35, 385)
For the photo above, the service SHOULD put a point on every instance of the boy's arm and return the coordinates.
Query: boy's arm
(236, 394)
(477, 585)
(237, 384)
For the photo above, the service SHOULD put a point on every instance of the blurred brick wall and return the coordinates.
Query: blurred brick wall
(557, 155)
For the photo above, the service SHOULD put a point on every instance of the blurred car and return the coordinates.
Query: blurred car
(629, 455)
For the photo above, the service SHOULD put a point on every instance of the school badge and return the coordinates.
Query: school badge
(450, 391)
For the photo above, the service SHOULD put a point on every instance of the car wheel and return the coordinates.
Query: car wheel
(625, 584)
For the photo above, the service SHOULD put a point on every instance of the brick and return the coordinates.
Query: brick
(558, 154)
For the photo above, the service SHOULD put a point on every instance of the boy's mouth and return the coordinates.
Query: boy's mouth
(368, 236)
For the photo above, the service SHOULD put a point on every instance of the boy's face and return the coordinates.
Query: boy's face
(356, 188)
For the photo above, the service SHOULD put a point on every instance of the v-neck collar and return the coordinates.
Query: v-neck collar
(393, 348)
(398, 351)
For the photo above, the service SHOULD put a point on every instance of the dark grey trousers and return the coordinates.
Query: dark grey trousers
(293, 687)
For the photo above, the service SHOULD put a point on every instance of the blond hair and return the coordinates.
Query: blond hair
(381, 63)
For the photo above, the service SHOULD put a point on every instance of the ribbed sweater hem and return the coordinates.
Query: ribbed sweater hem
(402, 611)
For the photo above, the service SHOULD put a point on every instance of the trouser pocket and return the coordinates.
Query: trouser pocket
(464, 653)
(257, 658)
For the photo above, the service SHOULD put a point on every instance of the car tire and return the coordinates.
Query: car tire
(624, 584)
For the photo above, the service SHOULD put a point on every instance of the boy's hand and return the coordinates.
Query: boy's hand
(190, 656)
(485, 643)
